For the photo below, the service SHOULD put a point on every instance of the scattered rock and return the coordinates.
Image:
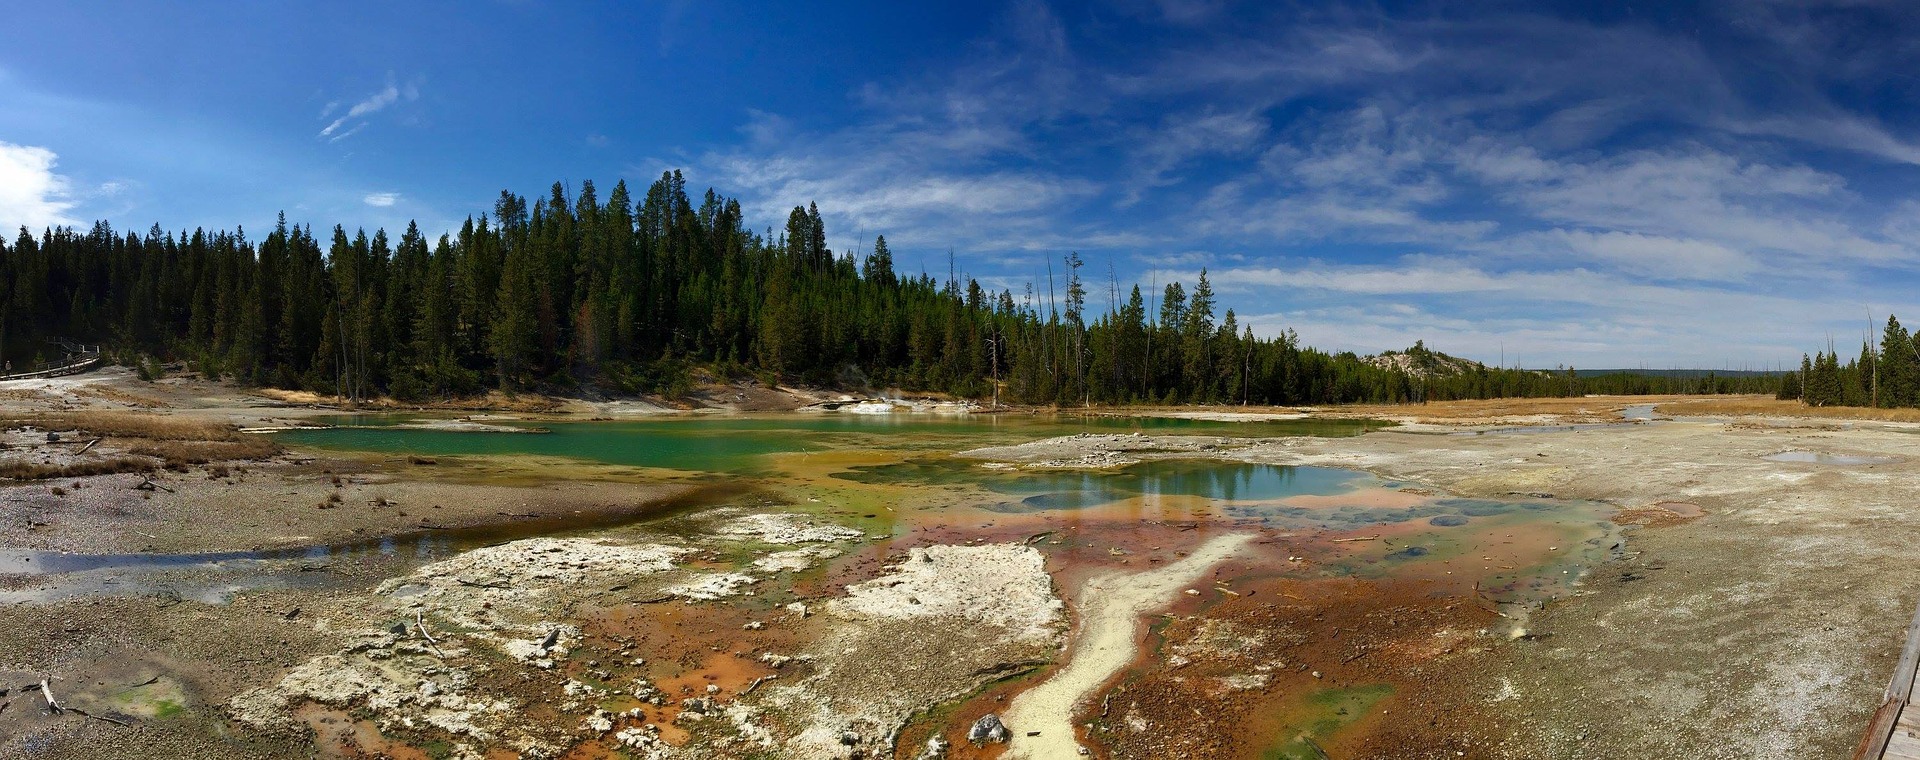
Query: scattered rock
(710, 587)
(786, 529)
(988, 729)
(935, 749)
(1004, 584)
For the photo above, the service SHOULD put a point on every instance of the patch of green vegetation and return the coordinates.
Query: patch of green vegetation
(438, 749)
(167, 708)
(1324, 714)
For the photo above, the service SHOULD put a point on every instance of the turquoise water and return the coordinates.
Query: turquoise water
(742, 445)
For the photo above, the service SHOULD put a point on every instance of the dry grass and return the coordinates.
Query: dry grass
(176, 441)
(154, 427)
(492, 401)
(179, 453)
(17, 470)
(293, 397)
(1578, 409)
(117, 395)
(1768, 406)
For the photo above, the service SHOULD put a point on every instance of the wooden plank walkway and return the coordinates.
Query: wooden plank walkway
(1894, 732)
(74, 368)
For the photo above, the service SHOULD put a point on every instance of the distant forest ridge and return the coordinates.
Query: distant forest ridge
(1682, 373)
(633, 295)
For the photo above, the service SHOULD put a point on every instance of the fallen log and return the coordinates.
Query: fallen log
(420, 622)
(84, 713)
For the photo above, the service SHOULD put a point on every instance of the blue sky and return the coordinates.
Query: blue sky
(1645, 184)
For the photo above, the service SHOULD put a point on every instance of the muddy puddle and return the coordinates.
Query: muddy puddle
(1281, 643)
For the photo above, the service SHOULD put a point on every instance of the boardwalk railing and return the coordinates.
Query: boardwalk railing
(1873, 746)
(80, 357)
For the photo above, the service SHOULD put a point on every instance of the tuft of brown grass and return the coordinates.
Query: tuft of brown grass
(103, 466)
(114, 394)
(157, 427)
(178, 453)
(490, 401)
(1480, 411)
(176, 441)
(1767, 406)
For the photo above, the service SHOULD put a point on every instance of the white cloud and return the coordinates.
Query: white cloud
(1594, 186)
(31, 193)
(1183, 137)
(1583, 316)
(1646, 255)
(372, 104)
(381, 200)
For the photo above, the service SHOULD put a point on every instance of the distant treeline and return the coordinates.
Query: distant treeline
(633, 297)
(1885, 376)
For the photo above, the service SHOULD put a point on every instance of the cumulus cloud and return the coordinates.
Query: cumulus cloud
(381, 200)
(31, 193)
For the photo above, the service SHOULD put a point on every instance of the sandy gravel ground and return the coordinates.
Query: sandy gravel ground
(1764, 629)
(1755, 614)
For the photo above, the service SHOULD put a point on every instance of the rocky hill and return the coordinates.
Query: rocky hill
(1420, 361)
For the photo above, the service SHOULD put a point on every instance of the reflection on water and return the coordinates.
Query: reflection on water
(1150, 481)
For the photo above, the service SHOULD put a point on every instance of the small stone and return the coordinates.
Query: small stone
(988, 729)
(935, 750)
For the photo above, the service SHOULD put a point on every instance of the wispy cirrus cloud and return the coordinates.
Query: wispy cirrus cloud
(353, 121)
(1457, 173)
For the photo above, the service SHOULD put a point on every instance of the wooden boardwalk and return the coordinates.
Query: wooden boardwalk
(1894, 733)
(73, 368)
